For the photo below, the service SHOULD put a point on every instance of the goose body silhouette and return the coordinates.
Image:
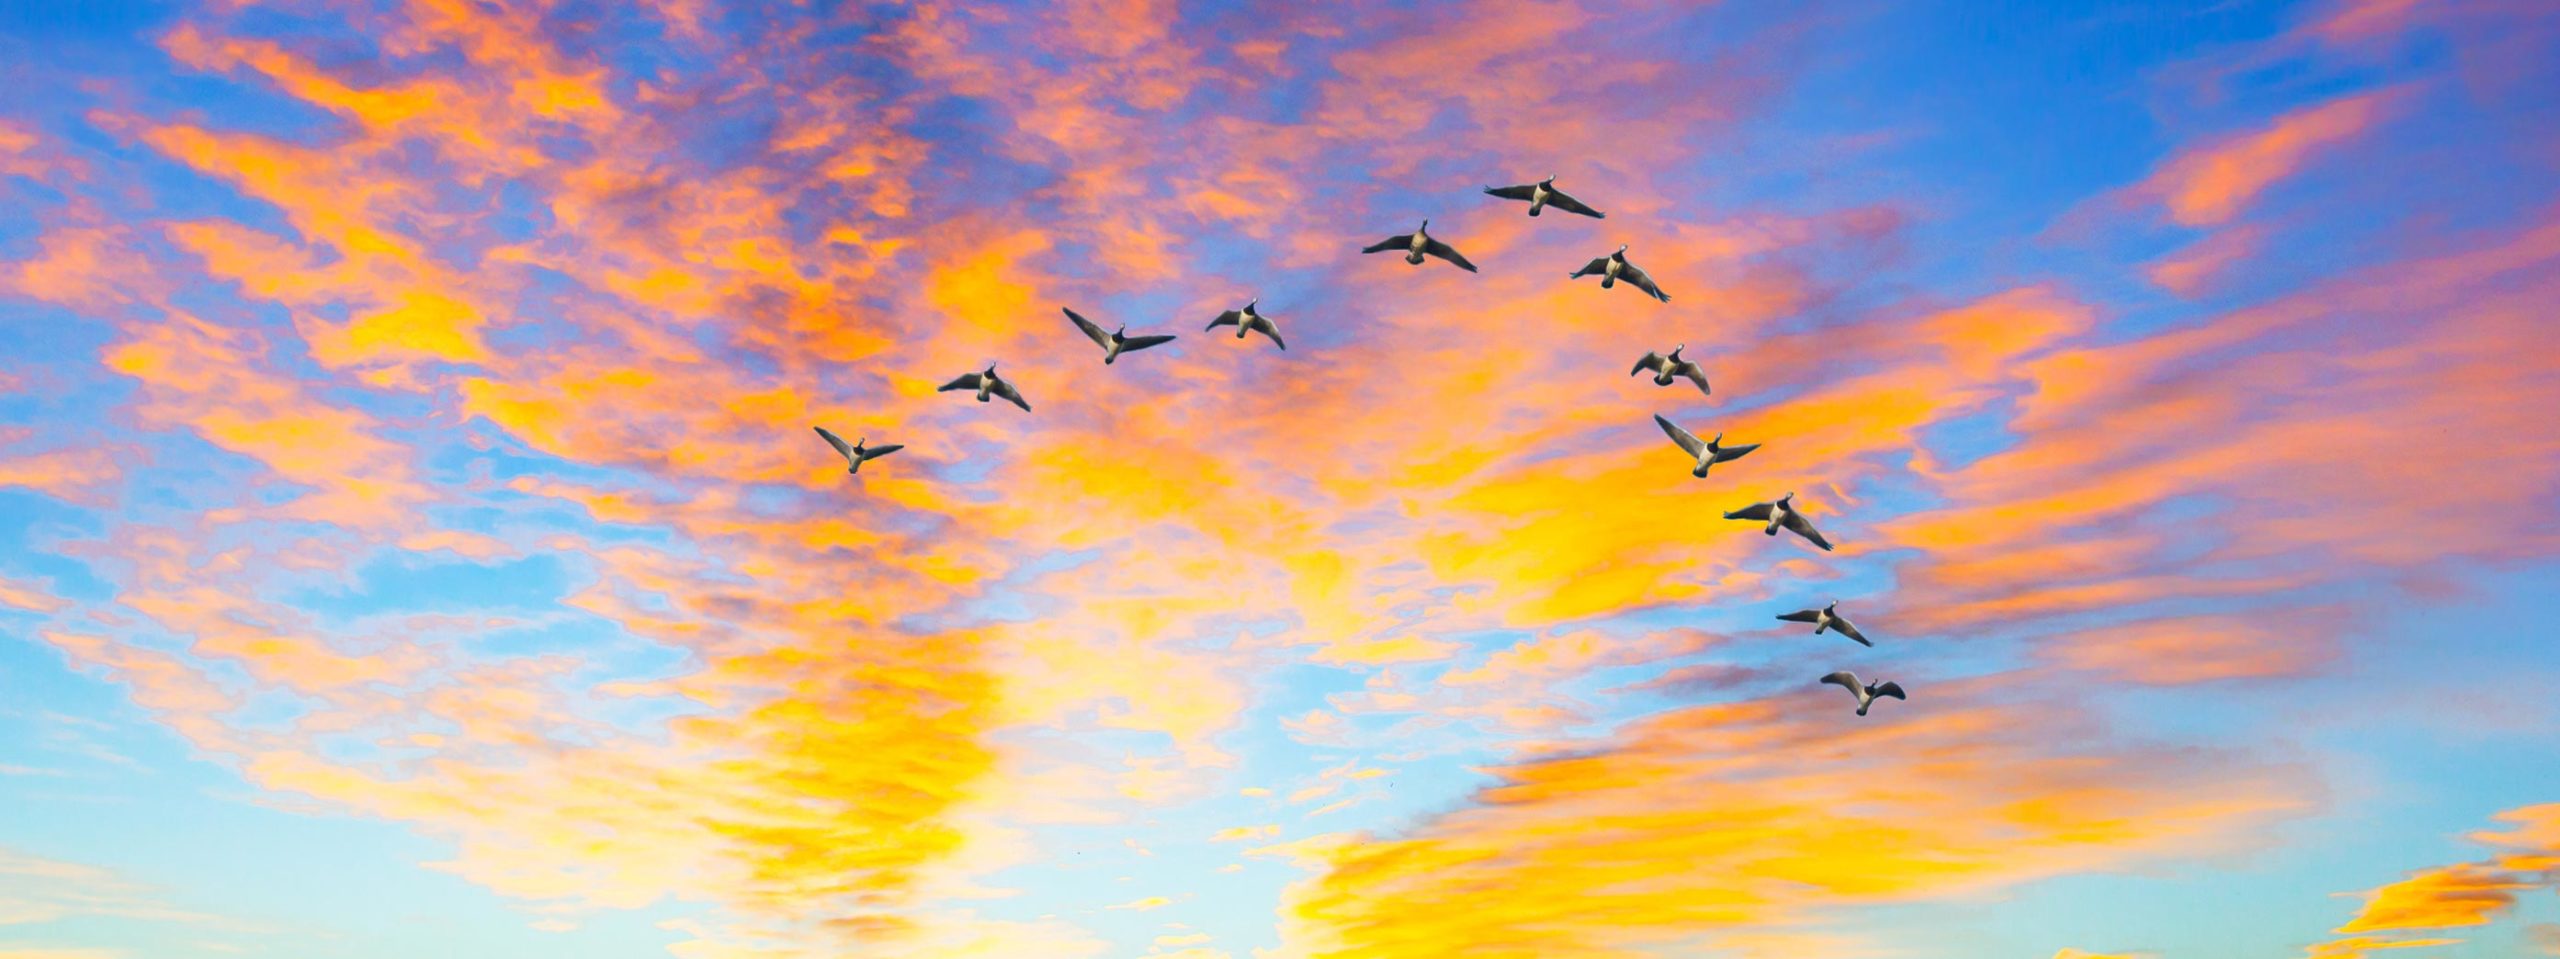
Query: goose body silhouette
(1543, 194)
(1781, 513)
(1668, 368)
(1615, 267)
(1117, 341)
(987, 383)
(1706, 454)
(1247, 321)
(857, 454)
(1867, 693)
(1829, 618)
(1418, 243)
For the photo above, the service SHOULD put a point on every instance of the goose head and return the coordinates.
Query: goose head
(1675, 352)
(1787, 502)
(1622, 251)
(1424, 228)
(1249, 304)
(1118, 333)
(1713, 443)
(1549, 181)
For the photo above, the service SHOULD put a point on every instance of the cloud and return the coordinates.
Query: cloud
(1504, 876)
(2210, 184)
(2461, 895)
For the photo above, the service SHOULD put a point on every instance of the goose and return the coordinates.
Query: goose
(1829, 618)
(1615, 267)
(987, 382)
(857, 453)
(1667, 368)
(1247, 321)
(1543, 194)
(1417, 243)
(1708, 453)
(1117, 341)
(1782, 512)
(1867, 693)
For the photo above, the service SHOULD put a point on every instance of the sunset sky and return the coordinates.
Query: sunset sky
(413, 544)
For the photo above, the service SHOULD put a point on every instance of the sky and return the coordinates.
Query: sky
(413, 542)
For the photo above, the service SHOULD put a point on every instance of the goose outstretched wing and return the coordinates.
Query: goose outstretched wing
(1697, 376)
(1600, 265)
(967, 381)
(1136, 343)
(1447, 252)
(1850, 630)
(1525, 191)
(1091, 331)
(1804, 527)
(1228, 318)
(1643, 281)
(1802, 616)
(1564, 201)
(1688, 441)
(835, 441)
(1890, 689)
(1397, 242)
(1004, 388)
(1724, 453)
(1652, 361)
(1844, 678)
(1756, 512)
(1263, 326)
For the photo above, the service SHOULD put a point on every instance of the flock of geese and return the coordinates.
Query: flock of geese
(1777, 514)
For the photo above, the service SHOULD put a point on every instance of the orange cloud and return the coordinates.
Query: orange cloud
(1726, 818)
(2195, 649)
(2210, 184)
(2461, 895)
(2444, 898)
(2196, 269)
(1245, 832)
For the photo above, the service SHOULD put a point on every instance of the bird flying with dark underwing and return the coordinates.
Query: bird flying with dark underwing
(1615, 267)
(1417, 243)
(1867, 693)
(1543, 194)
(1668, 368)
(1829, 618)
(1247, 321)
(1117, 341)
(986, 383)
(1706, 454)
(1782, 512)
(857, 454)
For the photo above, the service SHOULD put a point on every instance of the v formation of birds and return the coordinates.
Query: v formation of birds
(1667, 369)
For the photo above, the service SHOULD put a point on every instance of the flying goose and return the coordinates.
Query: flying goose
(987, 382)
(1117, 341)
(1667, 368)
(855, 455)
(1615, 267)
(1247, 321)
(1829, 618)
(1543, 194)
(1868, 693)
(1417, 243)
(1782, 512)
(1708, 453)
